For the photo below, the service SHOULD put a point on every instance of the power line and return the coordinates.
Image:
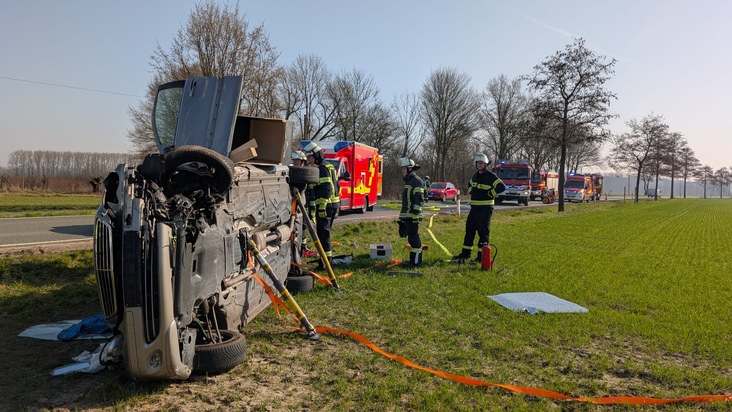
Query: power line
(68, 87)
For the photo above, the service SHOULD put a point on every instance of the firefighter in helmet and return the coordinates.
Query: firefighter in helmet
(323, 200)
(298, 158)
(483, 188)
(411, 213)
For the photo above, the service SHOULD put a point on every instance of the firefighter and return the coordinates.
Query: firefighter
(483, 188)
(298, 158)
(411, 213)
(323, 200)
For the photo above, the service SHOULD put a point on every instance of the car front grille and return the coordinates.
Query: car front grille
(104, 267)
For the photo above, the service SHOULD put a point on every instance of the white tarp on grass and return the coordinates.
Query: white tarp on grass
(534, 302)
(50, 331)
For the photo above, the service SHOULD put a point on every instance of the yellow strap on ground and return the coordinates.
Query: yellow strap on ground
(444, 249)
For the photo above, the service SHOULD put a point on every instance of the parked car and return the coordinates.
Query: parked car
(442, 191)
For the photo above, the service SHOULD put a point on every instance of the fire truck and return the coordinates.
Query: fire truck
(579, 188)
(597, 182)
(517, 178)
(360, 172)
(543, 182)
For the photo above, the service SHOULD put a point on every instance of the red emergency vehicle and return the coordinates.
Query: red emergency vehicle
(360, 172)
(543, 181)
(579, 188)
(517, 178)
(597, 182)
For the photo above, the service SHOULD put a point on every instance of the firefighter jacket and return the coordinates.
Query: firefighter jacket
(412, 198)
(484, 187)
(324, 193)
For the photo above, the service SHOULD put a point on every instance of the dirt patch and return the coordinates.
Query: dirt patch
(44, 248)
(265, 382)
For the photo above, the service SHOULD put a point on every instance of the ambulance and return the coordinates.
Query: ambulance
(360, 170)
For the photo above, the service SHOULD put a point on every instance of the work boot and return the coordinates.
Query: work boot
(479, 258)
(465, 254)
(415, 259)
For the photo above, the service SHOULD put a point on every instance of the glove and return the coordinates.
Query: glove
(321, 214)
(402, 228)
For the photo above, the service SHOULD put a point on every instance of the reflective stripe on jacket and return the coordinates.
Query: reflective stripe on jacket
(484, 187)
(412, 197)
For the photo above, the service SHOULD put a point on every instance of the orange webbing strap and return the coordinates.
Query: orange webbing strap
(609, 400)
(389, 265)
(324, 280)
(276, 301)
(524, 389)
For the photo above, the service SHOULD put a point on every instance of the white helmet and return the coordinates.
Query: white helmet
(406, 162)
(480, 157)
(311, 148)
(298, 155)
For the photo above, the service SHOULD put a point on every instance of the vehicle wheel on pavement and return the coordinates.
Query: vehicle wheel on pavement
(362, 209)
(304, 175)
(370, 207)
(216, 358)
(221, 167)
(444, 197)
(299, 283)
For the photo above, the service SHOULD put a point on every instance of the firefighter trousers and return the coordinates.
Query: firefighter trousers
(323, 227)
(479, 220)
(413, 234)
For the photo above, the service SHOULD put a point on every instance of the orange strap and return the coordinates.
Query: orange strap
(610, 400)
(276, 301)
(526, 390)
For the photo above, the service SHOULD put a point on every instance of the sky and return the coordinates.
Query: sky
(70, 70)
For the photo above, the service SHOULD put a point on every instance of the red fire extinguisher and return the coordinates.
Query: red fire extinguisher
(486, 260)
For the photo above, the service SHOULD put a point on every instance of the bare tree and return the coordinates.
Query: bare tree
(571, 91)
(675, 142)
(216, 41)
(688, 163)
(503, 116)
(704, 175)
(304, 96)
(409, 132)
(449, 110)
(632, 151)
(355, 94)
(722, 178)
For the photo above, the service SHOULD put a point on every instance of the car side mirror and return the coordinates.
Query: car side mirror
(346, 176)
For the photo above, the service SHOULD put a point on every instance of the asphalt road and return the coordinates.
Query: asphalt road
(35, 232)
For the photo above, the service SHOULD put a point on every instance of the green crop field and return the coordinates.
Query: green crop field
(655, 277)
(26, 204)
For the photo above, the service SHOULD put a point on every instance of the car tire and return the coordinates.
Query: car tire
(303, 283)
(304, 175)
(223, 167)
(362, 210)
(217, 358)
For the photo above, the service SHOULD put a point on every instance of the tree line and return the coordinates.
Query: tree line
(45, 163)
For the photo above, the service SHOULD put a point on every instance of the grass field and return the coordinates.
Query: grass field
(655, 277)
(28, 204)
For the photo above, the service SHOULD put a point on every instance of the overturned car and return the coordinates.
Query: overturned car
(175, 276)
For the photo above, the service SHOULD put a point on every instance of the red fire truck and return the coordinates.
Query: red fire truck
(360, 172)
(543, 181)
(579, 188)
(597, 182)
(517, 178)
